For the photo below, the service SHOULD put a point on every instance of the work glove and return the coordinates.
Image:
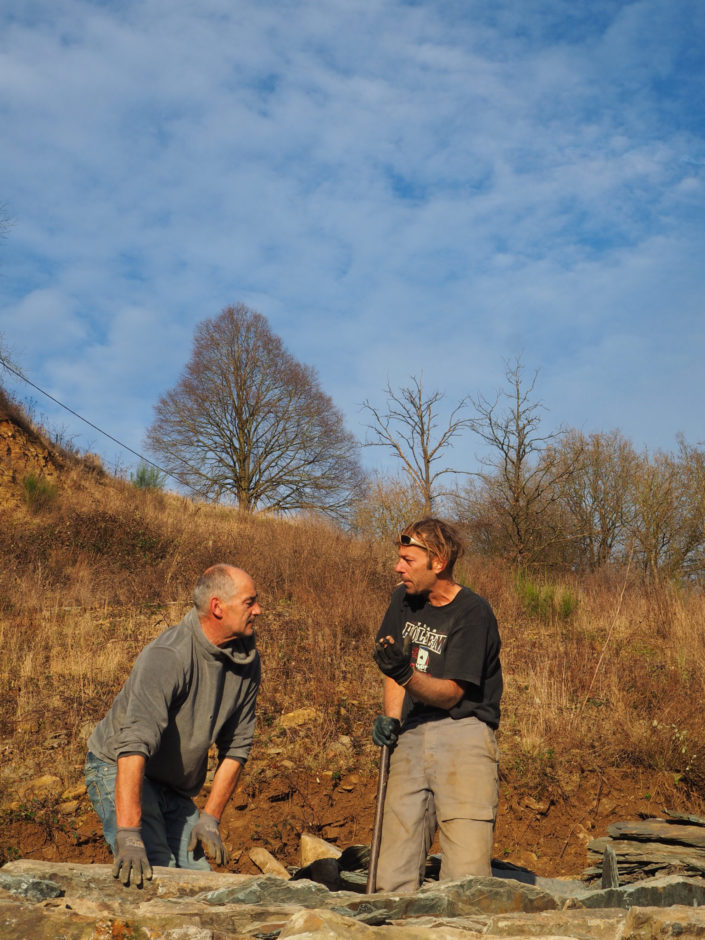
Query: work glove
(385, 731)
(207, 832)
(394, 660)
(130, 856)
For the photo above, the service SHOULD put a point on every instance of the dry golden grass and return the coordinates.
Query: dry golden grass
(598, 673)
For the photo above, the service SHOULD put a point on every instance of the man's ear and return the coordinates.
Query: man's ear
(215, 608)
(438, 564)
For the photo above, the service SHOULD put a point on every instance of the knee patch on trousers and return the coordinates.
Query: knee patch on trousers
(466, 809)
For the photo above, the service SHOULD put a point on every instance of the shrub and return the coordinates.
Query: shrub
(147, 477)
(39, 492)
(546, 602)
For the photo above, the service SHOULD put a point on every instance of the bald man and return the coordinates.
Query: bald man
(195, 685)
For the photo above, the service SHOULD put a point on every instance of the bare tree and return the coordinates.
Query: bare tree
(247, 422)
(520, 483)
(410, 427)
(597, 496)
(387, 505)
(668, 527)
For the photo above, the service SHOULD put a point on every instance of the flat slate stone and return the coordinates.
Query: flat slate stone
(647, 858)
(685, 817)
(659, 830)
(651, 892)
(466, 897)
(586, 924)
(268, 890)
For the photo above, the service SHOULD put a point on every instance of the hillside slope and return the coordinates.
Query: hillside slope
(601, 716)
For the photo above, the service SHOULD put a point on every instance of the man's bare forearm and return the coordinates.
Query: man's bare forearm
(223, 787)
(393, 698)
(441, 693)
(128, 790)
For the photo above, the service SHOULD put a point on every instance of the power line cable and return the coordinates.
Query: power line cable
(95, 427)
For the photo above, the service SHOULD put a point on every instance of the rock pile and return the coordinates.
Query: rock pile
(77, 902)
(651, 848)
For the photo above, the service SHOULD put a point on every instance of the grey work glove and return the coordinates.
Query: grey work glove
(394, 660)
(130, 856)
(207, 832)
(385, 731)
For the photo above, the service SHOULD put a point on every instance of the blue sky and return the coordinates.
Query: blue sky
(399, 187)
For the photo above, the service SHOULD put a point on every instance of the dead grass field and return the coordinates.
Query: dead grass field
(604, 678)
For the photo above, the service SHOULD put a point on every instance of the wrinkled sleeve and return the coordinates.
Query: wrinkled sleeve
(142, 710)
(235, 738)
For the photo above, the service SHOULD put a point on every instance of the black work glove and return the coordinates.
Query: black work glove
(385, 731)
(207, 832)
(393, 660)
(130, 856)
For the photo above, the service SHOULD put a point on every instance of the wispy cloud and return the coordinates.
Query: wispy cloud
(398, 187)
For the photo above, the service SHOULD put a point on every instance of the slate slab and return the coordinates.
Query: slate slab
(638, 860)
(659, 830)
(652, 892)
(647, 923)
(586, 924)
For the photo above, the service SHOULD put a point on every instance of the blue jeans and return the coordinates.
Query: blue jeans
(167, 817)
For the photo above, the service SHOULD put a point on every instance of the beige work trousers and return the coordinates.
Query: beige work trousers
(443, 774)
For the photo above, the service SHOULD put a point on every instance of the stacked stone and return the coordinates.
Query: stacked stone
(651, 848)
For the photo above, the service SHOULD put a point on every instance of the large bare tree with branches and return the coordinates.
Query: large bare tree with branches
(248, 423)
(410, 427)
(521, 478)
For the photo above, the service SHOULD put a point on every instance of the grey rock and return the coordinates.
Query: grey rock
(186, 905)
(652, 892)
(659, 830)
(328, 925)
(585, 924)
(559, 887)
(685, 817)
(468, 896)
(648, 853)
(270, 890)
(648, 923)
(610, 869)
(34, 889)
(96, 881)
(353, 881)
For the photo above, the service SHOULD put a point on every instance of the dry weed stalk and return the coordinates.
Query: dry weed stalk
(90, 579)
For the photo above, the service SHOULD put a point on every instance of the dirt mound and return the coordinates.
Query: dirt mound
(276, 805)
(27, 453)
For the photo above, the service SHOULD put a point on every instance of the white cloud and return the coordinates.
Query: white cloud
(395, 186)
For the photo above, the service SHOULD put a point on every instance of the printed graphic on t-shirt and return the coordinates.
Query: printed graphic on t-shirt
(421, 635)
(421, 658)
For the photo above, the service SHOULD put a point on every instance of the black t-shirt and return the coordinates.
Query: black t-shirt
(459, 641)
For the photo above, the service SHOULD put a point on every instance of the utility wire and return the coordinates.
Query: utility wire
(95, 427)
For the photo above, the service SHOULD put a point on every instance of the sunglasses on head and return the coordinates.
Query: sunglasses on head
(410, 540)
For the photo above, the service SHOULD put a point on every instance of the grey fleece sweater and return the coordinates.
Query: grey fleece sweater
(182, 695)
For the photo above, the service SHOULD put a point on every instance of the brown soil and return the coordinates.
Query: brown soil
(548, 835)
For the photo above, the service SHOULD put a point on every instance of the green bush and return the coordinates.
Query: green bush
(545, 601)
(38, 491)
(147, 477)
